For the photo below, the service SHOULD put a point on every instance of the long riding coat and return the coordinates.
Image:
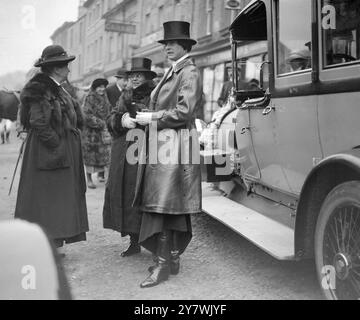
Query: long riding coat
(118, 213)
(172, 186)
(52, 182)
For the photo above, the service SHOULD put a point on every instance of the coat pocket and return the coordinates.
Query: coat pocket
(52, 158)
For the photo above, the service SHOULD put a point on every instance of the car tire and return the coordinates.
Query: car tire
(337, 243)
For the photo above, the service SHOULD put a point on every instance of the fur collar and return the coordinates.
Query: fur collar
(39, 85)
(145, 89)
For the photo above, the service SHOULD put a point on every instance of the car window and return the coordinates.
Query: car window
(340, 29)
(293, 36)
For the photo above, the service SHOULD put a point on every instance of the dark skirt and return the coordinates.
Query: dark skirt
(153, 224)
(118, 213)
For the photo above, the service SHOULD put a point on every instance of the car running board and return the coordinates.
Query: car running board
(269, 235)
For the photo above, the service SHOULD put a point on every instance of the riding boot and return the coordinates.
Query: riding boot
(162, 270)
(175, 254)
(8, 137)
(134, 247)
(155, 259)
(2, 138)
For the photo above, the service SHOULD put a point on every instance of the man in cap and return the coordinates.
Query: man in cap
(300, 60)
(114, 91)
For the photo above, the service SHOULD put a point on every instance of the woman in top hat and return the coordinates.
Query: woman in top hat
(118, 213)
(169, 192)
(96, 138)
(52, 182)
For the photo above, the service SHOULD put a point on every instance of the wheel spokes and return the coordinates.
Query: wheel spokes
(341, 249)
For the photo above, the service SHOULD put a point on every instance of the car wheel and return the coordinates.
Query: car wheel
(337, 243)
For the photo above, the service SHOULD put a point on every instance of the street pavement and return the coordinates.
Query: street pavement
(218, 264)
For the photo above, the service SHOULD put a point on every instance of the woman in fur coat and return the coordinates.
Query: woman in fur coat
(52, 182)
(96, 138)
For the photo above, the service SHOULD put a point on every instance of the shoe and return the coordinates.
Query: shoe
(133, 249)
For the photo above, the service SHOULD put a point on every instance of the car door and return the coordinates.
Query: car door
(285, 135)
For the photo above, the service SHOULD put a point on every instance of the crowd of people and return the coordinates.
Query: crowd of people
(150, 202)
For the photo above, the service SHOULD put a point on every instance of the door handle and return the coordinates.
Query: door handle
(268, 110)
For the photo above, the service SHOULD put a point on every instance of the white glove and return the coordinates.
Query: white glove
(128, 122)
(144, 118)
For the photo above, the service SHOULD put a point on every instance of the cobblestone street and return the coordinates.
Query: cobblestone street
(218, 264)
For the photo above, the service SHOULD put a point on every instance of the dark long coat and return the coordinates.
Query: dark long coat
(113, 92)
(96, 142)
(174, 188)
(52, 182)
(118, 213)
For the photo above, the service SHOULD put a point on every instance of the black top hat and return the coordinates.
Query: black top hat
(53, 54)
(142, 65)
(99, 82)
(121, 73)
(177, 30)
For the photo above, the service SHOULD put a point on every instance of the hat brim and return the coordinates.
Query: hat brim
(55, 61)
(192, 41)
(152, 74)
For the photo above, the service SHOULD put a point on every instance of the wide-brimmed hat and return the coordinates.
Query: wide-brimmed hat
(142, 65)
(177, 30)
(121, 73)
(52, 55)
(99, 82)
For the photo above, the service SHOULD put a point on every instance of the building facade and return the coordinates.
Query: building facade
(108, 33)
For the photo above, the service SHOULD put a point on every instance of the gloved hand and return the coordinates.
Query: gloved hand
(128, 122)
(144, 118)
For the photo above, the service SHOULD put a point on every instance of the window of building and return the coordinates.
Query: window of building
(161, 18)
(340, 25)
(147, 24)
(209, 16)
(293, 36)
(79, 64)
(100, 48)
(96, 51)
(81, 32)
(119, 46)
(71, 38)
(98, 11)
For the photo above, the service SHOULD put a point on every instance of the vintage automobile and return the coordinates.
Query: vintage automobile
(287, 157)
(31, 268)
